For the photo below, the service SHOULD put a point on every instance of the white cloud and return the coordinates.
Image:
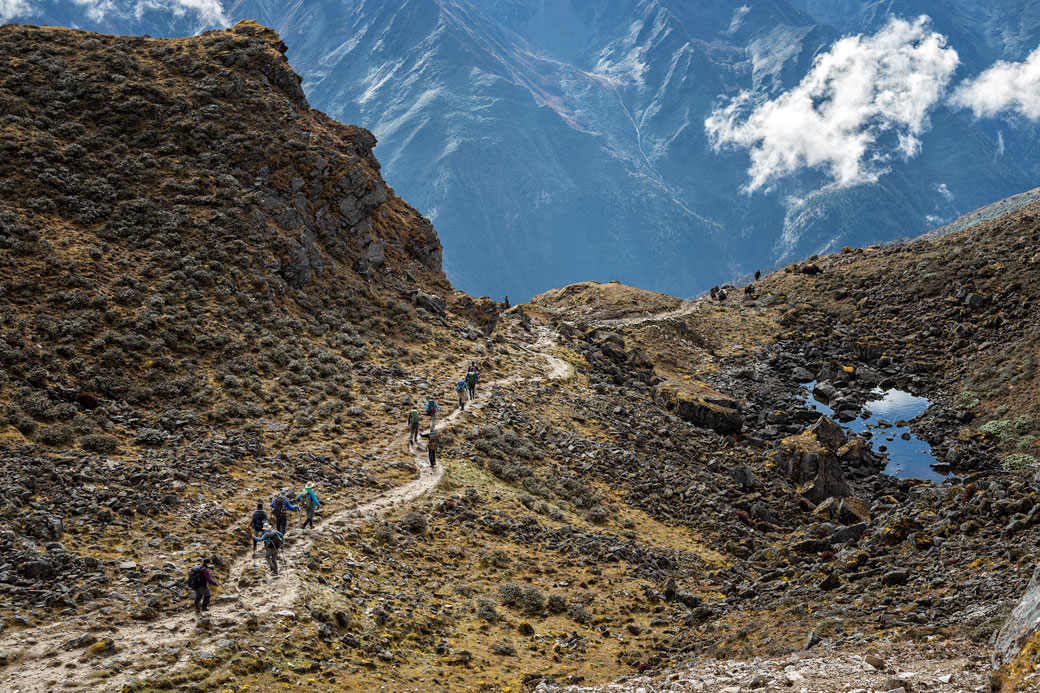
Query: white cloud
(97, 9)
(842, 117)
(208, 11)
(9, 9)
(1004, 88)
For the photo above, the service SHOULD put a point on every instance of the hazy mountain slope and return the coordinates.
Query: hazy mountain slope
(555, 142)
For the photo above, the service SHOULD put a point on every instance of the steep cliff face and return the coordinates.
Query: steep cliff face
(171, 208)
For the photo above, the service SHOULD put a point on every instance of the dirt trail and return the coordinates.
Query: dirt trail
(685, 308)
(44, 665)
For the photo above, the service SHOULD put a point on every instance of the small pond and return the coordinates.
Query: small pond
(909, 457)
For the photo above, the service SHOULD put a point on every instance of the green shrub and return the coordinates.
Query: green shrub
(385, 534)
(149, 436)
(967, 400)
(1017, 460)
(486, 609)
(99, 442)
(579, 613)
(510, 594)
(556, 604)
(531, 599)
(56, 435)
(414, 522)
(1008, 431)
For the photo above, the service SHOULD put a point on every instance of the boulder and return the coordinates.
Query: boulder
(824, 391)
(704, 413)
(1022, 626)
(744, 477)
(812, 456)
(432, 303)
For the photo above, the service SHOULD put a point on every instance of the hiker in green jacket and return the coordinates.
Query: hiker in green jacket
(472, 376)
(310, 504)
(413, 423)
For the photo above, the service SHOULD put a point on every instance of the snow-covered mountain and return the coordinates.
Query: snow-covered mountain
(556, 141)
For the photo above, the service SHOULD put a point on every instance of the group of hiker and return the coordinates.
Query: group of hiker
(267, 530)
(465, 387)
(270, 530)
(467, 384)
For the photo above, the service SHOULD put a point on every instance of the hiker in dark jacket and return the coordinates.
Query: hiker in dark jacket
(259, 518)
(280, 509)
(202, 594)
(272, 539)
(413, 425)
(431, 448)
(471, 381)
(310, 504)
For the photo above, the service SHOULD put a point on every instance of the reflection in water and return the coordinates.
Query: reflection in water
(908, 459)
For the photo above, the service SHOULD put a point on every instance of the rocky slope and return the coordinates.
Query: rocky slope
(198, 310)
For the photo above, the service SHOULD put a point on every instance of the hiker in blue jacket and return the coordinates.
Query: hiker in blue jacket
(460, 388)
(431, 410)
(273, 540)
(280, 509)
(310, 504)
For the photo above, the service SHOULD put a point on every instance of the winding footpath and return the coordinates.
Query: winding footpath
(43, 663)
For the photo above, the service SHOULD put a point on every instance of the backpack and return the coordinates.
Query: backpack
(258, 520)
(276, 539)
(195, 577)
(433, 443)
(413, 416)
(460, 386)
(431, 408)
(472, 377)
(279, 506)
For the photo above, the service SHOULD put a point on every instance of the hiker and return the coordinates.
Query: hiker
(749, 291)
(758, 275)
(431, 448)
(199, 580)
(471, 381)
(310, 504)
(280, 508)
(431, 411)
(460, 389)
(259, 517)
(413, 425)
(273, 540)
(507, 302)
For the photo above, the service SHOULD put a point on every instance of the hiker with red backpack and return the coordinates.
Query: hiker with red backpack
(280, 509)
(199, 580)
(273, 540)
(431, 448)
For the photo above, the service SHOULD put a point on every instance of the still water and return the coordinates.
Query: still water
(907, 459)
